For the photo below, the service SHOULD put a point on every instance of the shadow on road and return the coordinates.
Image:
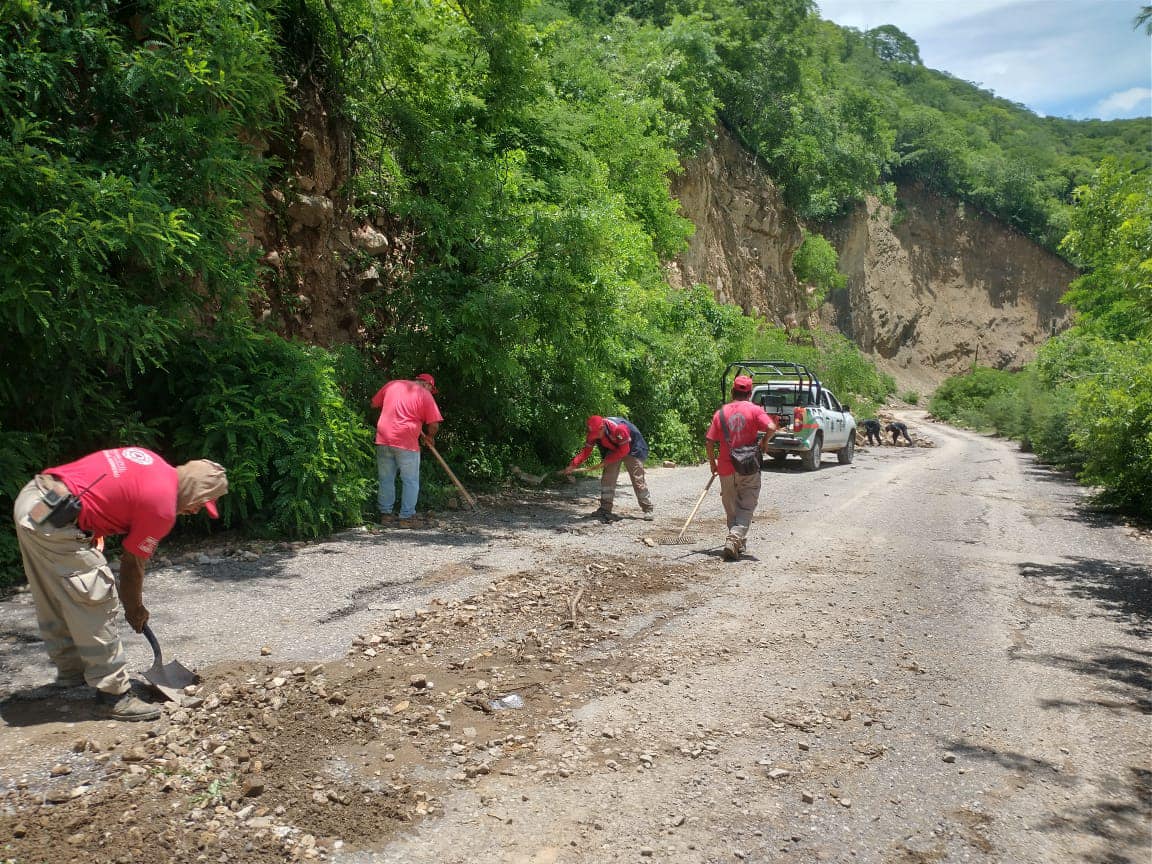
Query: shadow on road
(1118, 815)
(1123, 590)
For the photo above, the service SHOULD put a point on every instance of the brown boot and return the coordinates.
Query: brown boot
(731, 550)
(125, 706)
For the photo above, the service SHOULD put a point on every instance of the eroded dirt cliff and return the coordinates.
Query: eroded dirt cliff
(934, 287)
(745, 236)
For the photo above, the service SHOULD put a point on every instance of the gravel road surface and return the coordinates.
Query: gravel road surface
(935, 654)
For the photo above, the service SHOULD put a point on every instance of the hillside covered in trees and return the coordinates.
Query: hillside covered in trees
(519, 154)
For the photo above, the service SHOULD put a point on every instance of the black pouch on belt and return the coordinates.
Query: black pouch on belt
(57, 506)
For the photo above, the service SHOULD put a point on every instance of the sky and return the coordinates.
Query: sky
(1061, 58)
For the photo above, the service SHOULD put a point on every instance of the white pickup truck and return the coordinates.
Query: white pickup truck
(810, 419)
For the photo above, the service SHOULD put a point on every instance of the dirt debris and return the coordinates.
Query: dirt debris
(283, 764)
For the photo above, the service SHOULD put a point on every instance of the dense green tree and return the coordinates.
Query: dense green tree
(893, 45)
(1111, 238)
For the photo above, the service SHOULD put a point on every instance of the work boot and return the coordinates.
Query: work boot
(387, 519)
(731, 550)
(604, 514)
(649, 513)
(125, 706)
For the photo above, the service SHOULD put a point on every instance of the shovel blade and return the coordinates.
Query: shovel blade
(170, 678)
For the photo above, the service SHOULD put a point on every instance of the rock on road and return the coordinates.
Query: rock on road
(932, 655)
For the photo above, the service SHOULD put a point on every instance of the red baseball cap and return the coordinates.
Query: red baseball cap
(429, 380)
(741, 384)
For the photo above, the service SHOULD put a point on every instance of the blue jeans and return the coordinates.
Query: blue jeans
(390, 460)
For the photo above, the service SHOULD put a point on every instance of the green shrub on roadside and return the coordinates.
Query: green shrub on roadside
(910, 396)
(299, 457)
(1112, 426)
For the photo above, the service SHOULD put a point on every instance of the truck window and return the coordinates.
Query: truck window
(832, 402)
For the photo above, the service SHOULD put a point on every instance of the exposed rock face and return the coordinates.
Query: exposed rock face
(745, 236)
(322, 261)
(933, 288)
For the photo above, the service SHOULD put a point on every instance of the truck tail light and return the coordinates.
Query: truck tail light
(797, 418)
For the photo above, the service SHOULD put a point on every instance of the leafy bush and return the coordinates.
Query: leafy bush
(815, 265)
(910, 396)
(1112, 426)
(299, 458)
(966, 396)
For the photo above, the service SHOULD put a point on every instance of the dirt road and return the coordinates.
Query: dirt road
(932, 655)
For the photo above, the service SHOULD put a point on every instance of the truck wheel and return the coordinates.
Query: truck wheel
(812, 457)
(845, 454)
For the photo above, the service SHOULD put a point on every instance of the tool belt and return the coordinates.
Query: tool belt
(57, 506)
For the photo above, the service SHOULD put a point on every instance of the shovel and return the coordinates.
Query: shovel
(169, 678)
(459, 486)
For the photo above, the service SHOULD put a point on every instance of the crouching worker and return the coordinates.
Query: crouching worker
(733, 433)
(872, 429)
(897, 429)
(618, 441)
(61, 515)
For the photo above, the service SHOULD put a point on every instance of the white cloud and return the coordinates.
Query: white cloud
(1134, 102)
(1059, 57)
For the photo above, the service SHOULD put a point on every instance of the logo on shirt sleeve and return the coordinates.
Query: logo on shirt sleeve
(148, 545)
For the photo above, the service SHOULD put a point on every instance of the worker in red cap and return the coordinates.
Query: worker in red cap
(618, 441)
(734, 454)
(62, 516)
(408, 416)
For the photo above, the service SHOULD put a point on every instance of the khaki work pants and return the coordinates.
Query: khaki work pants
(639, 484)
(75, 596)
(739, 493)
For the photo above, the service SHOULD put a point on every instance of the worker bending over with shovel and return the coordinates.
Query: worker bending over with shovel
(618, 441)
(733, 432)
(61, 516)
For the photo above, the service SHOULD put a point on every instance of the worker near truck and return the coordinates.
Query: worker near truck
(619, 441)
(62, 515)
(409, 416)
(896, 428)
(872, 430)
(735, 427)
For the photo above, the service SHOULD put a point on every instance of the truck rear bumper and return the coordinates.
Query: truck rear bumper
(788, 444)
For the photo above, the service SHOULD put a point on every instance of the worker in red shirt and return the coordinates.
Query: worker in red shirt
(737, 425)
(619, 441)
(61, 517)
(408, 416)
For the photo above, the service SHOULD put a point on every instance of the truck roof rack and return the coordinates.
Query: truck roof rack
(770, 372)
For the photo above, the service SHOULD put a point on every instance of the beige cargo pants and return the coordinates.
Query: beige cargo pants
(75, 596)
(739, 493)
(608, 478)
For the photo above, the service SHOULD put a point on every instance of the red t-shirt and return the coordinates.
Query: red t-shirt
(405, 406)
(746, 420)
(129, 491)
(615, 442)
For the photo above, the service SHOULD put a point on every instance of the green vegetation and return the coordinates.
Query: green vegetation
(815, 266)
(527, 146)
(1086, 403)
